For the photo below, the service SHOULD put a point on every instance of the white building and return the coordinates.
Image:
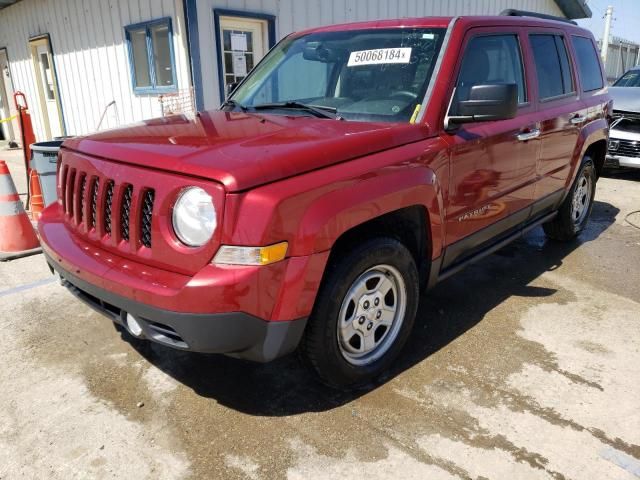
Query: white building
(89, 64)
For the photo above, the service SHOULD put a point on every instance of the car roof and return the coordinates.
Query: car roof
(443, 22)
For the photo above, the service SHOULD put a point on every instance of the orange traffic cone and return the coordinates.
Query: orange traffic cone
(17, 236)
(36, 203)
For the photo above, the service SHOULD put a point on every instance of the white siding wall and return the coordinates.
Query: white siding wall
(294, 15)
(90, 54)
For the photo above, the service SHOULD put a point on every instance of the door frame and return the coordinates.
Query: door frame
(34, 43)
(8, 98)
(221, 12)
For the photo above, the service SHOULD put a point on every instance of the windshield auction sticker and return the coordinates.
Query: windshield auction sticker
(379, 56)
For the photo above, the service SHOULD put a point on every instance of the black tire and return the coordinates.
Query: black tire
(321, 347)
(565, 227)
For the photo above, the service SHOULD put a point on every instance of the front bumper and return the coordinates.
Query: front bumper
(621, 161)
(256, 313)
(235, 333)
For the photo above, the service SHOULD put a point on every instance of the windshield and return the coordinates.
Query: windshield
(366, 75)
(629, 79)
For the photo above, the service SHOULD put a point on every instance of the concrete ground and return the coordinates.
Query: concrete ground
(525, 366)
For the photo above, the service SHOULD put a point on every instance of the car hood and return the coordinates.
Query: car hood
(243, 150)
(626, 98)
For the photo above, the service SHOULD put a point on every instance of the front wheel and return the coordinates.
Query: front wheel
(574, 212)
(363, 314)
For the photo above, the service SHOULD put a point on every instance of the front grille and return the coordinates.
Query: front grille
(145, 224)
(625, 148)
(81, 193)
(108, 201)
(125, 212)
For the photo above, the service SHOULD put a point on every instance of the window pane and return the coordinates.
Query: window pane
(588, 64)
(162, 55)
(140, 57)
(492, 59)
(548, 67)
(567, 79)
(301, 79)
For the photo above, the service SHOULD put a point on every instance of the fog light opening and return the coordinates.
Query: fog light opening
(133, 326)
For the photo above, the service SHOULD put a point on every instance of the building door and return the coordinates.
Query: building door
(244, 42)
(47, 87)
(7, 109)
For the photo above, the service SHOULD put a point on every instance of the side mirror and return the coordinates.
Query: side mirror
(486, 102)
(230, 88)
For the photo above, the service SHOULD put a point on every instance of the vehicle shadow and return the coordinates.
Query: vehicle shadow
(285, 387)
(622, 173)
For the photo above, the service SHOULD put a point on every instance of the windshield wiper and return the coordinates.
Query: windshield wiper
(319, 111)
(234, 104)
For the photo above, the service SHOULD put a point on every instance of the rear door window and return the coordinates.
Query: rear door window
(588, 64)
(491, 59)
(553, 69)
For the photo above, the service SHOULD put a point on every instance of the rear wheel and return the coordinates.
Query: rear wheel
(363, 314)
(574, 212)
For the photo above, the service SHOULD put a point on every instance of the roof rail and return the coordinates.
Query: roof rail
(512, 12)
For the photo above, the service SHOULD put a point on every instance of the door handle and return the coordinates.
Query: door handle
(530, 135)
(577, 120)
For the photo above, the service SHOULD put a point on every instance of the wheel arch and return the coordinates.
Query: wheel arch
(409, 225)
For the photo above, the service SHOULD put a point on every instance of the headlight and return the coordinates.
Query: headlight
(194, 217)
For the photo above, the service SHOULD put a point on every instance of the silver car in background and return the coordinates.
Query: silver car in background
(624, 136)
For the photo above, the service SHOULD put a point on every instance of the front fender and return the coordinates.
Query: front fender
(311, 211)
(338, 211)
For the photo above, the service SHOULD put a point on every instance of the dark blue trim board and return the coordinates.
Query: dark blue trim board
(193, 46)
(154, 88)
(220, 12)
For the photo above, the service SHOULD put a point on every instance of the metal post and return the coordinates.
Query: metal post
(607, 30)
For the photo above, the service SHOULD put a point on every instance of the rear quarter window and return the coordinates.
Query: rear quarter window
(588, 64)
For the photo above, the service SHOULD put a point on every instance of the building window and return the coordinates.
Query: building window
(151, 59)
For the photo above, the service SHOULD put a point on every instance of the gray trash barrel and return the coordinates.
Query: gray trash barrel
(44, 159)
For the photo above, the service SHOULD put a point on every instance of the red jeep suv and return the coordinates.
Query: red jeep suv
(354, 165)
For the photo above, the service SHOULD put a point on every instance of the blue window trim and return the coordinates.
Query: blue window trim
(193, 45)
(221, 12)
(153, 89)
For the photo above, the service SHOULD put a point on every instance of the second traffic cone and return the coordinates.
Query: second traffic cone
(17, 236)
(36, 203)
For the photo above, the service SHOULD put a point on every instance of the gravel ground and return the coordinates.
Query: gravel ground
(524, 366)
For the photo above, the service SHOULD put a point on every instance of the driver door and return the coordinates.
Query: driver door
(492, 163)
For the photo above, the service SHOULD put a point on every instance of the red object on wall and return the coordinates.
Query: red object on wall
(34, 199)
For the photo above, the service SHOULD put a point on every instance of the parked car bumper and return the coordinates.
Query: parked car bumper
(178, 311)
(622, 161)
(624, 148)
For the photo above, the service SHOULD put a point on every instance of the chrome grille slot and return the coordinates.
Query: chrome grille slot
(71, 180)
(146, 216)
(94, 202)
(63, 187)
(108, 200)
(125, 212)
(81, 198)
